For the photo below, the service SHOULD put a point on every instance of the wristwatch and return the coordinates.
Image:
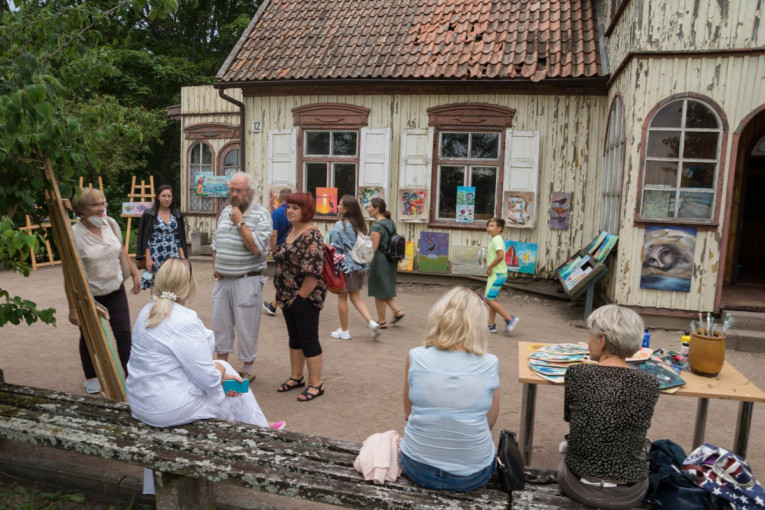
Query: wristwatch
(239, 225)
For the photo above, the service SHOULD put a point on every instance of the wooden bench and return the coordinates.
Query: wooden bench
(188, 459)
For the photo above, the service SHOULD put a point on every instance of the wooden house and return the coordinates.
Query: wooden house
(650, 113)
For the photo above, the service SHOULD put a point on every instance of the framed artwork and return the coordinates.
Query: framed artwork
(273, 196)
(212, 186)
(465, 204)
(560, 210)
(413, 204)
(518, 209)
(135, 208)
(326, 201)
(407, 263)
(521, 257)
(668, 254)
(468, 260)
(366, 194)
(433, 256)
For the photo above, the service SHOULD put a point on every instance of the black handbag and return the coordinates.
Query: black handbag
(509, 463)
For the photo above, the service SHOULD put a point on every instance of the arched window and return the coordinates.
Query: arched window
(231, 162)
(200, 160)
(612, 178)
(681, 164)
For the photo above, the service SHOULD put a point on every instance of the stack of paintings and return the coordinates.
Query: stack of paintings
(602, 245)
(551, 361)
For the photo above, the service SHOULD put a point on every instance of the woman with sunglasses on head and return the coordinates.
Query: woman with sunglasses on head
(99, 244)
(161, 234)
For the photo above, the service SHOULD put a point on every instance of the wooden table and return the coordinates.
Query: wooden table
(729, 384)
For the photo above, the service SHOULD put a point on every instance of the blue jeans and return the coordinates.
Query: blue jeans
(434, 478)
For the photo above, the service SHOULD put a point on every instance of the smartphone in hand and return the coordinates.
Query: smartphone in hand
(236, 386)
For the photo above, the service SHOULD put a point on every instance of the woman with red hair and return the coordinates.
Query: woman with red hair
(300, 293)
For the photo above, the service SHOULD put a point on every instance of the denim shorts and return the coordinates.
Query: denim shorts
(434, 478)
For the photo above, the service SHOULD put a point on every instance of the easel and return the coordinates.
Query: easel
(140, 193)
(48, 251)
(92, 317)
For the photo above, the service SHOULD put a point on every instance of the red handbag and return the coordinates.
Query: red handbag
(333, 276)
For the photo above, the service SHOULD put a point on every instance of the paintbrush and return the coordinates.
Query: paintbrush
(701, 324)
(728, 323)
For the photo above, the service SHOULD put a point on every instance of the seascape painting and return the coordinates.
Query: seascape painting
(521, 257)
(433, 256)
(468, 260)
(668, 258)
(326, 201)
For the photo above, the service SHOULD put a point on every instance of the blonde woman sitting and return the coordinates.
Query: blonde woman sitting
(450, 398)
(173, 379)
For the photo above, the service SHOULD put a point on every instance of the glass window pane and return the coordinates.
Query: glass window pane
(698, 175)
(484, 146)
(315, 177)
(345, 179)
(448, 179)
(231, 158)
(695, 205)
(317, 143)
(195, 154)
(663, 144)
(658, 204)
(206, 155)
(200, 203)
(669, 116)
(484, 178)
(344, 143)
(454, 145)
(697, 115)
(661, 173)
(700, 145)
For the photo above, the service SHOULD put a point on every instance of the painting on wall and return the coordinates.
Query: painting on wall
(135, 208)
(518, 209)
(521, 257)
(273, 196)
(366, 194)
(668, 258)
(413, 204)
(560, 210)
(326, 201)
(465, 204)
(434, 252)
(407, 263)
(468, 260)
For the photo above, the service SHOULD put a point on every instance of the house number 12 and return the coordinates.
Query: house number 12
(257, 126)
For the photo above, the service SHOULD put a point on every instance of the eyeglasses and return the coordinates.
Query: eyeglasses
(99, 204)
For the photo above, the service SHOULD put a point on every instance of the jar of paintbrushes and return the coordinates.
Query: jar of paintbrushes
(706, 355)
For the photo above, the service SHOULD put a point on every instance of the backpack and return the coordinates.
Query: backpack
(396, 249)
(332, 276)
(363, 250)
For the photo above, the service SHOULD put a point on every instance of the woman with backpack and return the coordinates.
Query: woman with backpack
(344, 240)
(382, 272)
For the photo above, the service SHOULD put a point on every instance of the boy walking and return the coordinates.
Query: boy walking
(496, 270)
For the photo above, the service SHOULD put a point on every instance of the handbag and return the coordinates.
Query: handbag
(509, 463)
(363, 250)
(140, 263)
(331, 274)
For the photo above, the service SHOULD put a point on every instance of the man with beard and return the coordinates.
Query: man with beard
(239, 258)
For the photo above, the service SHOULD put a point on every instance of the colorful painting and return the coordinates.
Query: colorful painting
(465, 204)
(200, 177)
(434, 252)
(413, 204)
(135, 208)
(521, 257)
(560, 210)
(407, 263)
(468, 260)
(326, 201)
(518, 209)
(366, 194)
(212, 186)
(273, 196)
(668, 258)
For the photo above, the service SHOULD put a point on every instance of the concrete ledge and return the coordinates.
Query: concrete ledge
(745, 340)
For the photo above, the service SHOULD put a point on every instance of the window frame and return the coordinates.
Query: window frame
(614, 152)
(191, 190)
(331, 159)
(717, 187)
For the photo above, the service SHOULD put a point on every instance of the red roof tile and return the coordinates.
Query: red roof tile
(404, 39)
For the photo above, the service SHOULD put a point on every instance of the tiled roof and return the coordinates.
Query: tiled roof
(417, 39)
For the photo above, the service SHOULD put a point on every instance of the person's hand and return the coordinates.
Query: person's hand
(136, 283)
(236, 215)
(488, 272)
(216, 275)
(225, 376)
(73, 317)
(149, 264)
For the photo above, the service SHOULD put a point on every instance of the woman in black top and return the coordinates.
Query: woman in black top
(609, 407)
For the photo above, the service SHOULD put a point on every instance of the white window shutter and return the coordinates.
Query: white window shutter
(522, 164)
(416, 158)
(374, 163)
(282, 157)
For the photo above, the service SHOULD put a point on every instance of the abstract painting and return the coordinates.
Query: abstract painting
(521, 257)
(407, 263)
(518, 209)
(434, 252)
(468, 260)
(135, 208)
(273, 196)
(413, 204)
(326, 201)
(560, 210)
(668, 258)
(366, 194)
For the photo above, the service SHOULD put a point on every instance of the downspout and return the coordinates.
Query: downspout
(240, 104)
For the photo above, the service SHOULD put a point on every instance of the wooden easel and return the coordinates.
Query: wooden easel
(92, 317)
(48, 251)
(140, 193)
(90, 184)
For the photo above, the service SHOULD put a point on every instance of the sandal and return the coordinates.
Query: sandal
(383, 325)
(287, 387)
(308, 396)
(400, 315)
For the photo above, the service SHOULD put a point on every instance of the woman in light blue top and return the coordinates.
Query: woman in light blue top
(450, 398)
(343, 238)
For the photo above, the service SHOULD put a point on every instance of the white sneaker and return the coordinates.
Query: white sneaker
(92, 386)
(339, 333)
(374, 328)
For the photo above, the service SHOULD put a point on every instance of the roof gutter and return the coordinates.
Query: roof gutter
(242, 159)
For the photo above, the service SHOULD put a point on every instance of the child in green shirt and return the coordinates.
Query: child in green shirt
(496, 270)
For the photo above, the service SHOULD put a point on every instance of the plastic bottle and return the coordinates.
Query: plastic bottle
(685, 344)
(646, 338)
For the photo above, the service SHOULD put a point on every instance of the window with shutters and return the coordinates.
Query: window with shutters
(680, 172)
(611, 198)
(331, 160)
